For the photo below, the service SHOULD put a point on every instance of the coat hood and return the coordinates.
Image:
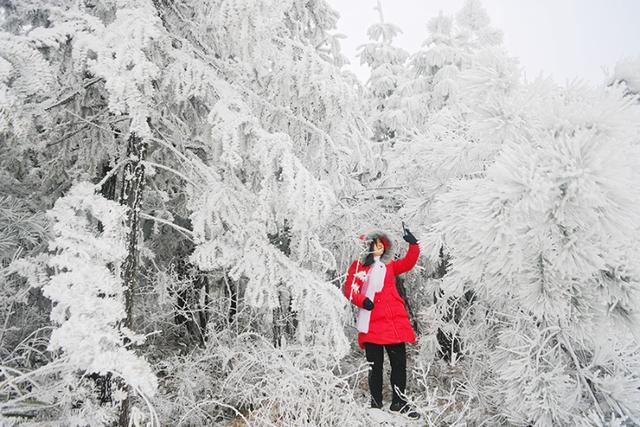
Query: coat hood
(386, 241)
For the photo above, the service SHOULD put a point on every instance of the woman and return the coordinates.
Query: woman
(382, 321)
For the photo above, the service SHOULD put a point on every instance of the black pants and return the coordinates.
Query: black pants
(398, 357)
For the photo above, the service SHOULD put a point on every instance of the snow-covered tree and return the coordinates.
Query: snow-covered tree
(447, 51)
(450, 140)
(388, 75)
(546, 239)
(274, 144)
(87, 290)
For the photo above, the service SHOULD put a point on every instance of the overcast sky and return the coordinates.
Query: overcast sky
(564, 38)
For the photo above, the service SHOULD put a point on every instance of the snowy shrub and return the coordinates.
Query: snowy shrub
(87, 290)
(247, 378)
(437, 392)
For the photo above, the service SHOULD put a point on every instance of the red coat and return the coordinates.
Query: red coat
(389, 322)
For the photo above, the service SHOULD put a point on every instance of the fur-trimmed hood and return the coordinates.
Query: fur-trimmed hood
(386, 240)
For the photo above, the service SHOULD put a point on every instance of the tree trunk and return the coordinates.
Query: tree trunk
(285, 320)
(450, 344)
(131, 195)
(232, 292)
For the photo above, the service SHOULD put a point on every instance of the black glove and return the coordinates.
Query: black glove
(367, 304)
(409, 238)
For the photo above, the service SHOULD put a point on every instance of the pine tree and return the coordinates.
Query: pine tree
(545, 239)
(449, 50)
(388, 75)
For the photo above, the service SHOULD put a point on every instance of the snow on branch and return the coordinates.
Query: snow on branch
(87, 250)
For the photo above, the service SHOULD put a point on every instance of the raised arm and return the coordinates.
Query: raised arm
(405, 264)
(352, 286)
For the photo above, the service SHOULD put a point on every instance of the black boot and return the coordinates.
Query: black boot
(376, 404)
(405, 409)
(398, 357)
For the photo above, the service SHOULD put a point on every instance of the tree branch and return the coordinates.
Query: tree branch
(69, 97)
(187, 233)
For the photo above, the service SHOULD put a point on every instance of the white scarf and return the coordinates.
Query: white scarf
(373, 284)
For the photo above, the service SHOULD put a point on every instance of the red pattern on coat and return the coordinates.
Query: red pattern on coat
(389, 322)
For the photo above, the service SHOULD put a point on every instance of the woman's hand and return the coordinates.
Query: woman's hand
(409, 238)
(367, 304)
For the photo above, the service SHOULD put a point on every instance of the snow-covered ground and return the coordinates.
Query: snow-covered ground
(384, 417)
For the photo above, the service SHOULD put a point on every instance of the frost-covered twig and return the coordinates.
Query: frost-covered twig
(579, 373)
(72, 95)
(187, 233)
(111, 173)
(207, 401)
